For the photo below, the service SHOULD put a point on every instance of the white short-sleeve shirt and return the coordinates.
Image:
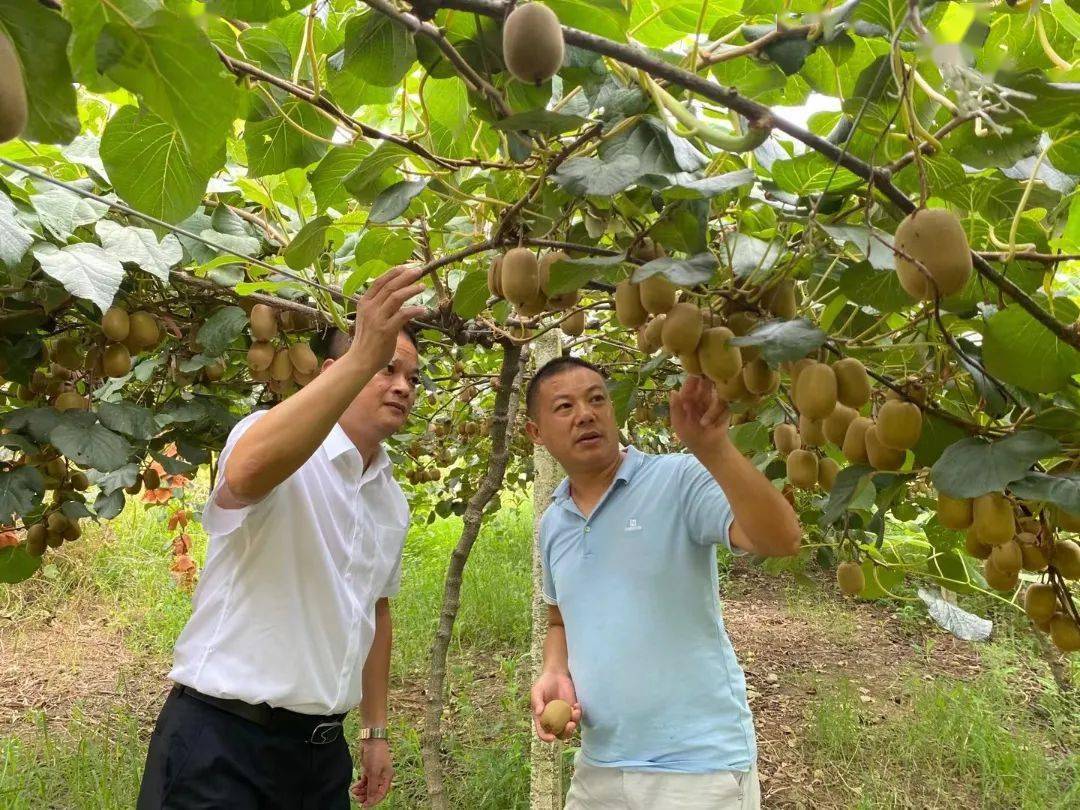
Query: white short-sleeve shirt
(284, 612)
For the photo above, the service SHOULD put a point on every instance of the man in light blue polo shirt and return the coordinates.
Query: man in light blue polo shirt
(636, 643)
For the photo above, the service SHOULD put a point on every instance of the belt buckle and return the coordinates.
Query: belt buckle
(325, 733)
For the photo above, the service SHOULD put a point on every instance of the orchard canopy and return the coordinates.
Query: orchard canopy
(859, 219)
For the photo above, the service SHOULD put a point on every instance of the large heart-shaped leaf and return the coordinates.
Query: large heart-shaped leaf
(973, 467)
(1062, 490)
(780, 341)
(85, 269)
(140, 246)
(588, 175)
(690, 272)
(20, 492)
(221, 329)
(16, 565)
(90, 444)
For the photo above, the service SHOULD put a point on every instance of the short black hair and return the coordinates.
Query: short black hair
(335, 342)
(550, 369)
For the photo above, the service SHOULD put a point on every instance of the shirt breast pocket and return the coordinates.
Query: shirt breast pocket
(390, 543)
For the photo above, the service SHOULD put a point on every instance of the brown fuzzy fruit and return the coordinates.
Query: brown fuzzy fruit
(628, 309)
(303, 359)
(657, 294)
(992, 519)
(36, 537)
(718, 358)
(556, 714)
(1040, 602)
(827, 472)
(852, 382)
(214, 371)
(1065, 557)
(879, 455)
(854, 447)
(850, 578)
(116, 324)
(71, 401)
(732, 390)
(281, 368)
(544, 268)
(682, 329)
(79, 481)
(1007, 557)
(574, 324)
(648, 250)
(494, 277)
(811, 430)
(975, 547)
(57, 521)
(117, 360)
(780, 299)
(934, 238)
(835, 425)
(264, 322)
(14, 112)
(999, 580)
(260, 356)
(759, 378)
(899, 424)
(532, 43)
(520, 276)
(144, 331)
(1035, 558)
(802, 469)
(815, 391)
(1065, 633)
(690, 363)
(651, 334)
(797, 368)
(786, 439)
(743, 323)
(954, 513)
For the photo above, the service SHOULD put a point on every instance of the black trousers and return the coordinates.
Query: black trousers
(204, 758)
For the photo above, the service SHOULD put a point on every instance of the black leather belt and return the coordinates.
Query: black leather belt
(313, 728)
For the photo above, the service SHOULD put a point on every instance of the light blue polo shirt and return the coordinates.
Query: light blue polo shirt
(659, 686)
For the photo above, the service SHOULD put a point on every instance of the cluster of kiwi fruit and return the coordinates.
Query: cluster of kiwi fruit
(282, 366)
(54, 527)
(522, 279)
(1009, 539)
(933, 238)
(532, 43)
(127, 335)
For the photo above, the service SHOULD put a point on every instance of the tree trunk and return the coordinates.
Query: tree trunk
(506, 405)
(545, 782)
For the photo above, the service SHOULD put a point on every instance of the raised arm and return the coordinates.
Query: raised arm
(279, 443)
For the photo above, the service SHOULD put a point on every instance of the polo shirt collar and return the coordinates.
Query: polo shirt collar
(338, 443)
(631, 463)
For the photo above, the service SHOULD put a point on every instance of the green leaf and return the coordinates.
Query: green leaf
(875, 246)
(327, 178)
(572, 274)
(1060, 490)
(131, 420)
(140, 246)
(543, 121)
(169, 63)
(690, 272)
(880, 289)
(16, 565)
(266, 49)
(471, 295)
(623, 393)
(61, 211)
(783, 340)
(687, 187)
(880, 581)
(220, 330)
(253, 10)
(278, 143)
(393, 201)
(937, 434)
(972, 467)
(812, 173)
(40, 39)
(750, 256)
(607, 18)
(38, 422)
(583, 176)
(362, 182)
(87, 18)
(90, 444)
(151, 167)
(387, 246)
(109, 506)
(847, 482)
(308, 243)
(84, 269)
(378, 48)
(15, 237)
(20, 492)
(1019, 350)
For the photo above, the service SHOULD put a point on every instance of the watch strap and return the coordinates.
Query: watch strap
(374, 733)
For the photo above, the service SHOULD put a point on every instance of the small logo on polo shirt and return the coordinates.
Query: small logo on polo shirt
(632, 526)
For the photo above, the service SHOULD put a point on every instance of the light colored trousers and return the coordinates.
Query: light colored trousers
(595, 788)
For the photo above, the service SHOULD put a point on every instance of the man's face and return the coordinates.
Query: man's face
(575, 420)
(385, 402)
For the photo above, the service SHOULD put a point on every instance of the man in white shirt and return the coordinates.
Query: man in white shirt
(291, 623)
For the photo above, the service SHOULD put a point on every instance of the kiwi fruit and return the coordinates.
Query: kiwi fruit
(281, 367)
(14, 112)
(557, 713)
(67, 353)
(854, 447)
(652, 335)
(657, 294)
(815, 391)
(1040, 602)
(811, 431)
(786, 439)
(151, 478)
(573, 324)
(1035, 559)
(780, 299)
(899, 424)
(682, 329)
(264, 322)
(690, 363)
(564, 300)
(214, 371)
(532, 43)
(1065, 633)
(719, 360)
(260, 355)
(1065, 557)
(743, 323)
(494, 277)
(544, 268)
(852, 382)
(116, 360)
(759, 378)
(796, 368)
(835, 425)
(520, 276)
(850, 578)
(71, 401)
(56, 522)
(303, 379)
(802, 469)
(733, 390)
(79, 481)
(628, 309)
(303, 359)
(954, 513)
(881, 456)
(116, 324)
(1066, 521)
(975, 547)
(992, 518)
(35, 540)
(72, 532)
(999, 580)
(934, 238)
(1007, 557)
(827, 472)
(144, 331)
(648, 250)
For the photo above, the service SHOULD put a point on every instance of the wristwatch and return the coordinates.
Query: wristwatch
(376, 733)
